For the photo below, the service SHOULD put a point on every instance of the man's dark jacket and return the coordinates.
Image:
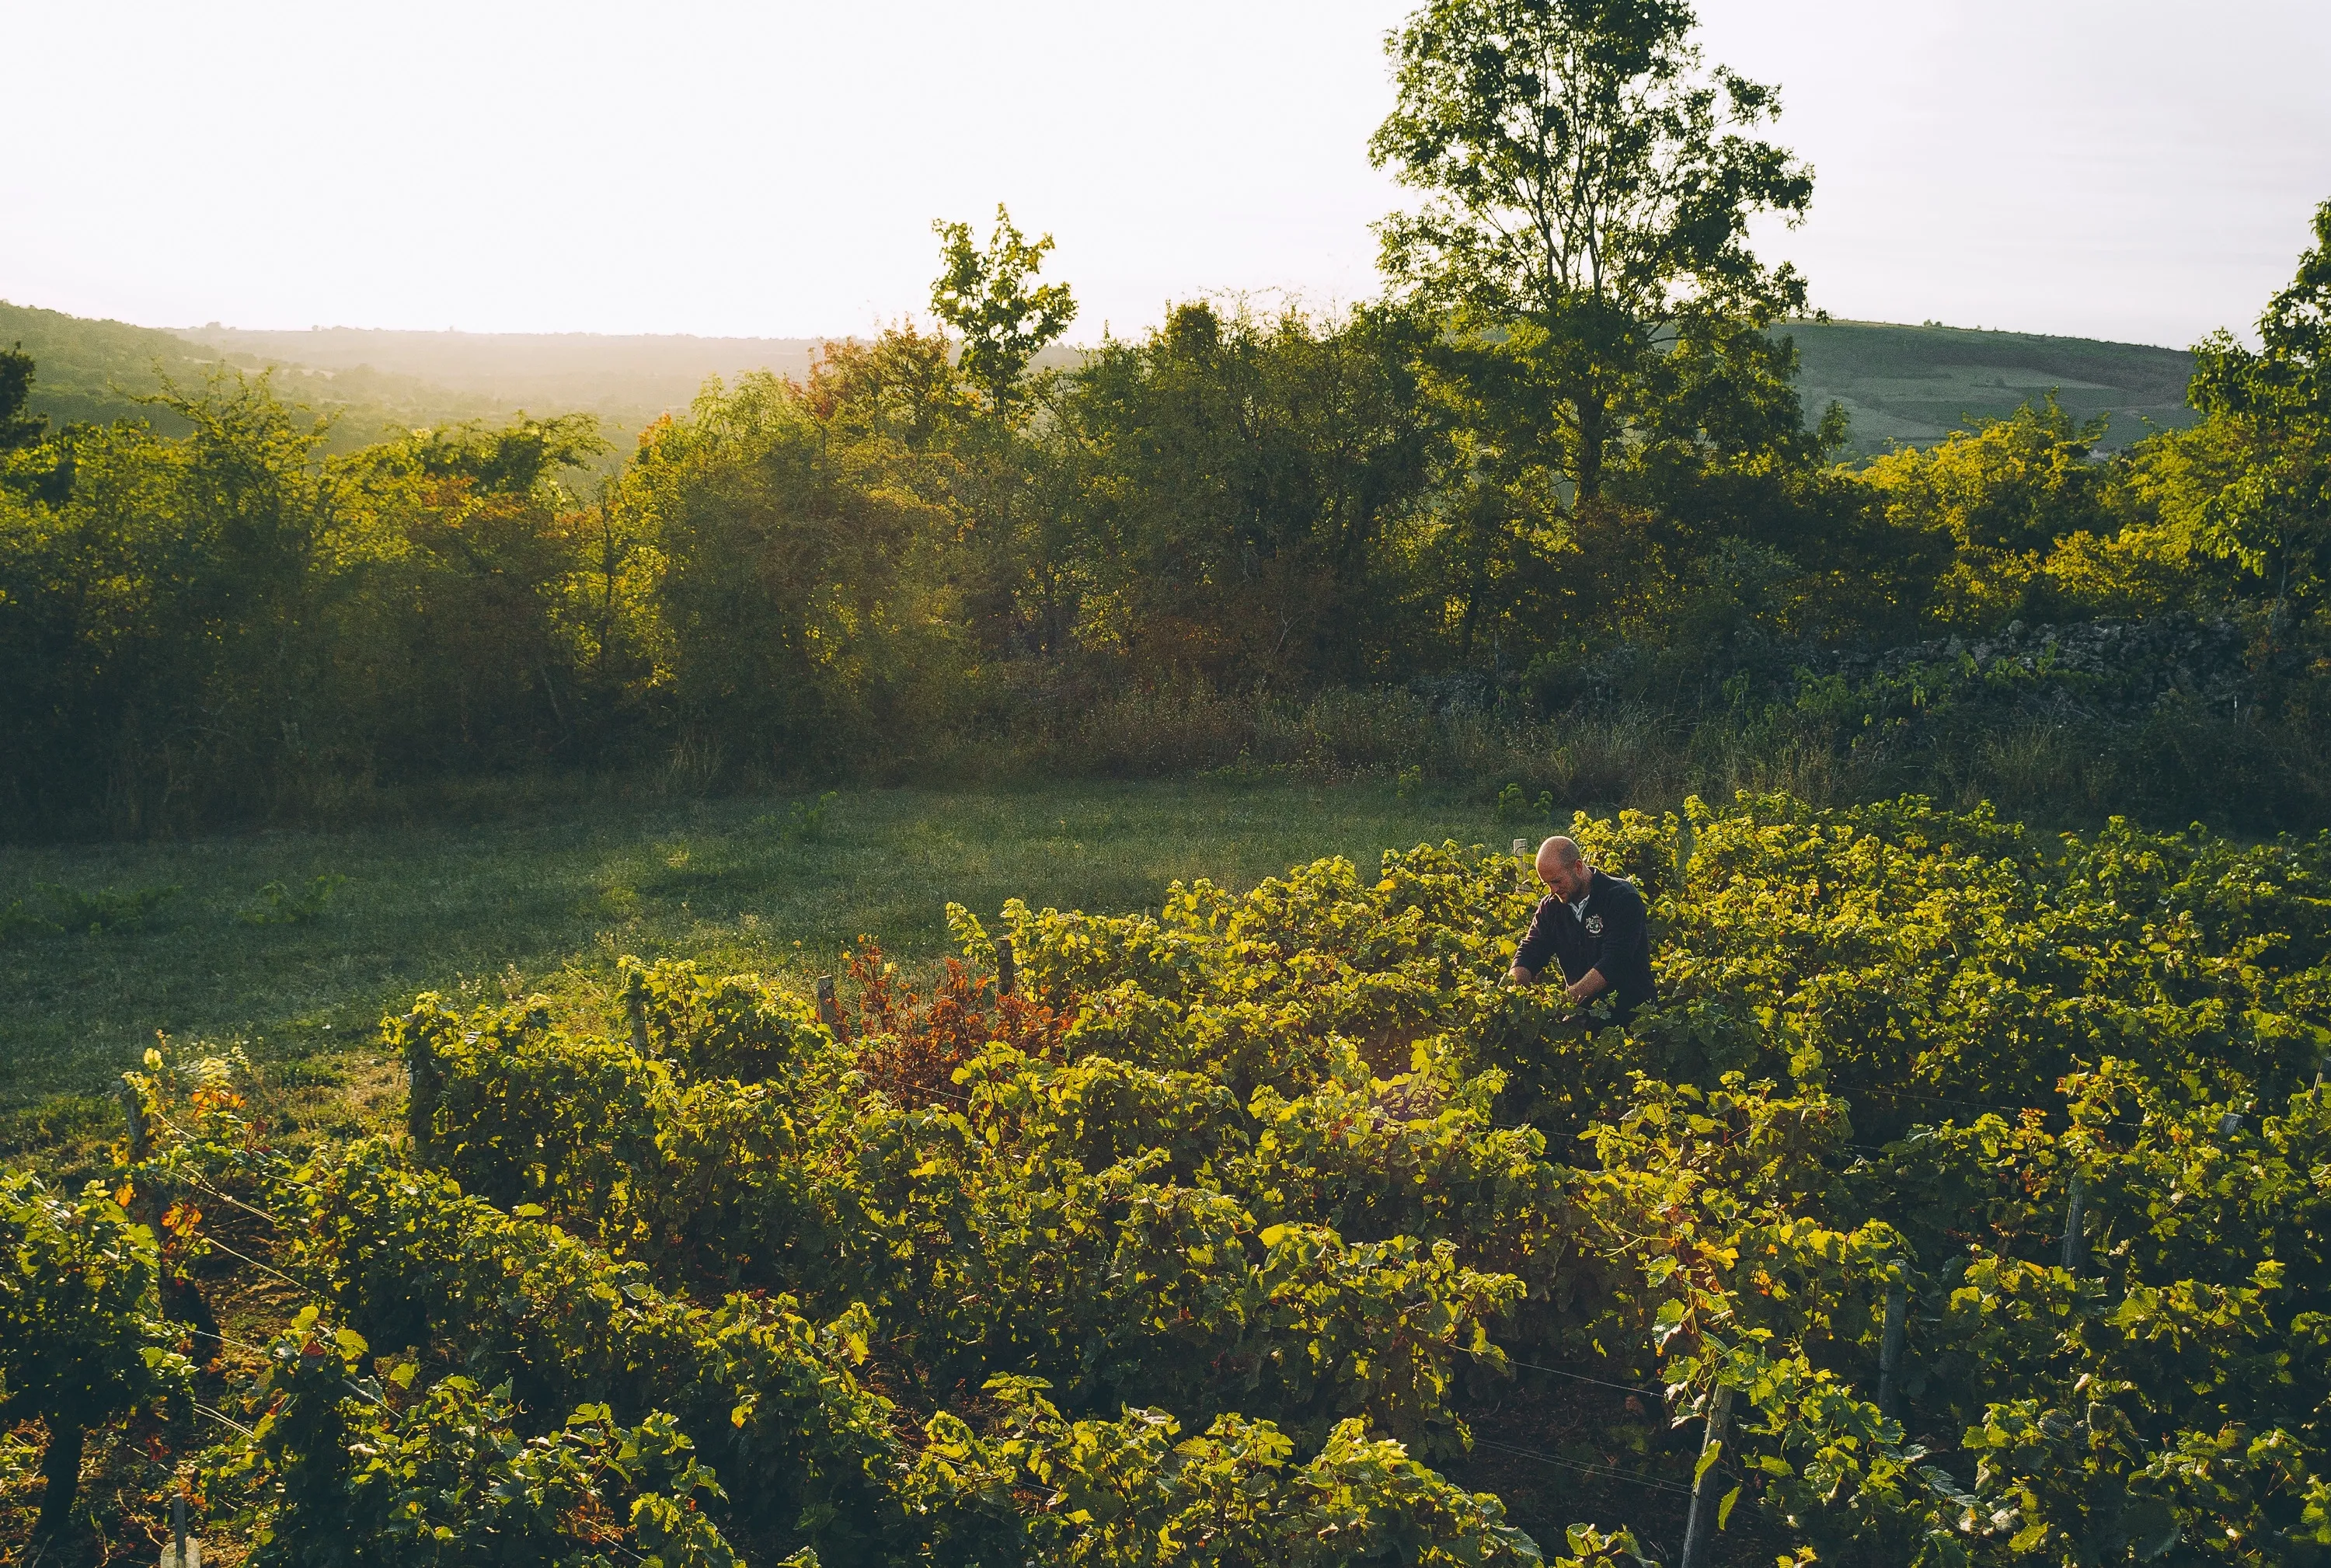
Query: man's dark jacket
(1611, 933)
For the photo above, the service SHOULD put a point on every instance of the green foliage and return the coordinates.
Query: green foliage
(203, 622)
(278, 905)
(1235, 491)
(512, 459)
(985, 295)
(791, 604)
(768, 1399)
(341, 1476)
(17, 428)
(59, 911)
(1593, 1548)
(1198, 543)
(806, 820)
(1297, 1171)
(1514, 805)
(1588, 197)
(81, 1336)
(1124, 1491)
(2271, 513)
(1555, 510)
(1992, 506)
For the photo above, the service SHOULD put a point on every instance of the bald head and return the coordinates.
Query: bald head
(1561, 867)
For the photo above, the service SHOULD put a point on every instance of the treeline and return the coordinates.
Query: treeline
(1163, 556)
(1577, 534)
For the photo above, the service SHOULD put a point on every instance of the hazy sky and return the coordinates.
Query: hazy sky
(2140, 169)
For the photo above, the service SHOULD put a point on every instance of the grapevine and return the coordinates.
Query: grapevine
(1960, 1202)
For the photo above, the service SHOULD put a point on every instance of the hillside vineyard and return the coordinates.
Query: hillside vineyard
(1962, 1203)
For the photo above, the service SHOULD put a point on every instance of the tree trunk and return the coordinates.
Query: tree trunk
(1593, 435)
(1465, 625)
(62, 1470)
(1889, 1349)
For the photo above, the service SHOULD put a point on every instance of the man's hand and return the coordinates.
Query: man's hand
(1590, 985)
(1517, 975)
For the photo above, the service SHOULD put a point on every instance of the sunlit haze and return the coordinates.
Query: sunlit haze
(2138, 171)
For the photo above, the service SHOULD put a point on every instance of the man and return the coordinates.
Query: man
(1595, 924)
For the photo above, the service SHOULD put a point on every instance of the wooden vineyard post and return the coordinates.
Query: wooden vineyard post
(143, 1208)
(149, 1205)
(2074, 1205)
(829, 1007)
(1889, 1348)
(1700, 1525)
(1007, 968)
(636, 1004)
(141, 1137)
(422, 1086)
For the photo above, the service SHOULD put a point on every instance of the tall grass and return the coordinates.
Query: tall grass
(2175, 763)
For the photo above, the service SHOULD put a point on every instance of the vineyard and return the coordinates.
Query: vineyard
(1964, 1201)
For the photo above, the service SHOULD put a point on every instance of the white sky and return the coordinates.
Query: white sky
(2141, 169)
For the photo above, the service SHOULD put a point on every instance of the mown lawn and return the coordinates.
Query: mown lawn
(244, 953)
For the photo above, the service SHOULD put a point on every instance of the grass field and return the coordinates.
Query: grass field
(244, 952)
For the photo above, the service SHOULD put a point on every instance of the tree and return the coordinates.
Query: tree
(511, 460)
(1589, 189)
(17, 428)
(797, 615)
(985, 296)
(1982, 511)
(2270, 508)
(158, 625)
(1248, 481)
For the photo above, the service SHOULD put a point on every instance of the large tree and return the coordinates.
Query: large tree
(2265, 503)
(1588, 187)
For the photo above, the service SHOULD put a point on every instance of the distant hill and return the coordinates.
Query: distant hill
(91, 370)
(96, 370)
(1909, 386)
(372, 380)
(627, 380)
(1898, 384)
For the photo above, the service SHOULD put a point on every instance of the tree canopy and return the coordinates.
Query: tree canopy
(17, 428)
(1588, 187)
(2272, 511)
(987, 296)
